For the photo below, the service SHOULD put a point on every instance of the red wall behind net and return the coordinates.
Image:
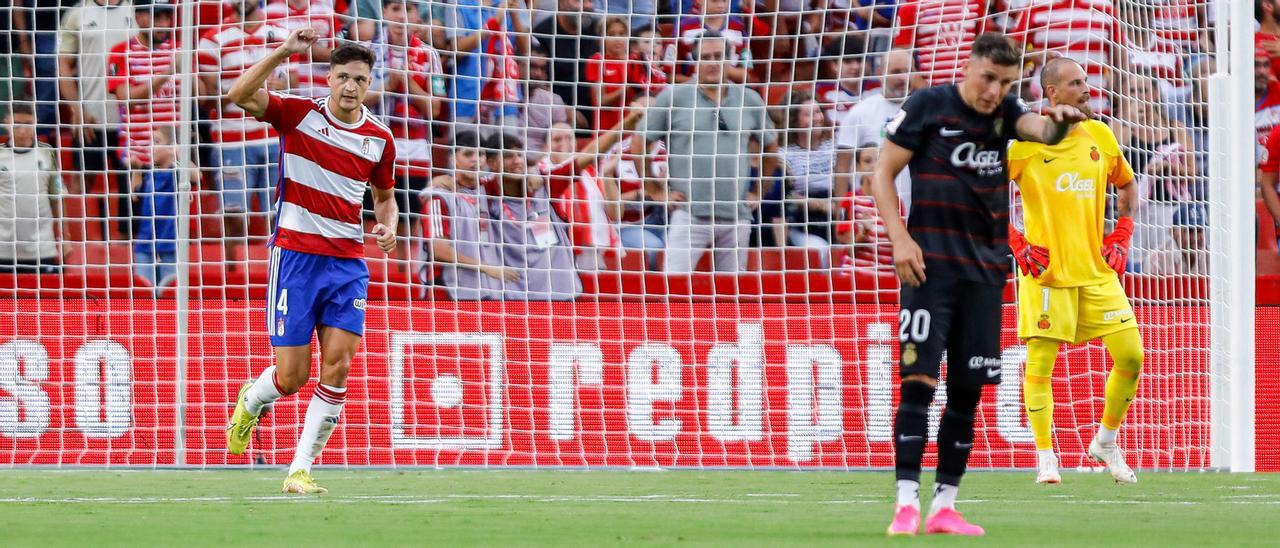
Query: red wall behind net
(1168, 427)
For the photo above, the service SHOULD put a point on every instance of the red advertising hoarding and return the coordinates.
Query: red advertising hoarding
(565, 384)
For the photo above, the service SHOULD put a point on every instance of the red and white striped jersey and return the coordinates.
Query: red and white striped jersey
(735, 34)
(1082, 30)
(1266, 115)
(872, 251)
(941, 32)
(1175, 21)
(319, 16)
(131, 63)
(629, 179)
(227, 52)
(581, 204)
(325, 165)
(1159, 60)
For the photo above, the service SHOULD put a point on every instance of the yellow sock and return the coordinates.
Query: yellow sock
(1125, 348)
(1037, 392)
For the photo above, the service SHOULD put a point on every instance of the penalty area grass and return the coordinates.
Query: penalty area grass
(585, 508)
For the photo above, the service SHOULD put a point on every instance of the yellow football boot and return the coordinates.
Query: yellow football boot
(240, 429)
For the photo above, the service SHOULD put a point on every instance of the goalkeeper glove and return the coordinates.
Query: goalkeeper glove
(1115, 247)
(1032, 259)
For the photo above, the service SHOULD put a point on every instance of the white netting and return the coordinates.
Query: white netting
(124, 338)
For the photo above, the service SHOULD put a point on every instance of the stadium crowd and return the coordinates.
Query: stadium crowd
(536, 141)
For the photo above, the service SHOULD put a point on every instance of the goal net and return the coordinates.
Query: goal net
(597, 264)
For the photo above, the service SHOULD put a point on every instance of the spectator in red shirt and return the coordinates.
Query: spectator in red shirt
(607, 71)
(1267, 36)
(140, 74)
(1266, 98)
(652, 61)
(862, 233)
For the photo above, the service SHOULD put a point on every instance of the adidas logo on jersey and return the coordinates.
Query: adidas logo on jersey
(1072, 182)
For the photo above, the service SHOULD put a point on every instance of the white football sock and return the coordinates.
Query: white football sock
(322, 418)
(944, 496)
(908, 493)
(1044, 454)
(1106, 436)
(264, 391)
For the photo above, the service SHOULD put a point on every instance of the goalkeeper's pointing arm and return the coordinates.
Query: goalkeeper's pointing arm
(247, 91)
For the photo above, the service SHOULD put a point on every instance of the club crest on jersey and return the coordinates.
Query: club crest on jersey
(1044, 322)
(368, 143)
(909, 354)
(1093, 154)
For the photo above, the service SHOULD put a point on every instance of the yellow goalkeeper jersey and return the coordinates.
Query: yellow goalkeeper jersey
(1064, 196)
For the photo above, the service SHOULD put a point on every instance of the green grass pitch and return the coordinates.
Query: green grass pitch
(589, 508)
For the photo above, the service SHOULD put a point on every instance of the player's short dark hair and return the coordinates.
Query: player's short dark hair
(22, 107)
(466, 138)
(844, 47)
(349, 52)
(707, 35)
(501, 142)
(1051, 73)
(997, 48)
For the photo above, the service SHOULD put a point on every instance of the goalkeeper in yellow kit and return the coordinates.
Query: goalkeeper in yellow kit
(1069, 288)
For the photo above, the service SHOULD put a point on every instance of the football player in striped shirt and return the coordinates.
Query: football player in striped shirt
(955, 138)
(332, 148)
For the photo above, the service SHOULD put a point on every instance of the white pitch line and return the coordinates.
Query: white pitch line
(411, 499)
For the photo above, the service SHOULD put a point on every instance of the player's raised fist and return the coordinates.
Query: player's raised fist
(300, 40)
(386, 237)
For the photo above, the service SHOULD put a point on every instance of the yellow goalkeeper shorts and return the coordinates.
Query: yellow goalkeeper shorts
(1072, 314)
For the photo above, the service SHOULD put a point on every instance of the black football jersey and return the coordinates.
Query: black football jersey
(959, 188)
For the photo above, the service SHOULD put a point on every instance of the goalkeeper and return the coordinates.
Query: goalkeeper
(1069, 290)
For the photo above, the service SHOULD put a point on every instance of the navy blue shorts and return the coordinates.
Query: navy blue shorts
(306, 291)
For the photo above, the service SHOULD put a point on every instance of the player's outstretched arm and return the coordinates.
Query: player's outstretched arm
(247, 91)
(908, 259)
(1051, 127)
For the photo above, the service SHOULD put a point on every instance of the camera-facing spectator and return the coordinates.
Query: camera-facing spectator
(844, 61)
(30, 197)
(1183, 252)
(36, 24)
(714, 129)
(609, 74)
(570, 38)
(307, 71)
(407, 92)
(808, 163)
(247, 150)
(585, 192)
(1145, 53)
(1159, 150)
(652, 61)
(141, 77)
(941, 33)
(533, 238)
(864, 124)
(156, 191)
(456, 227)
(718, 16)
(90, 29)
(863, 238)
(1267, 35)
(543, 108)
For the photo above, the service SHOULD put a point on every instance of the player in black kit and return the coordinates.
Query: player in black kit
(954, 137)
